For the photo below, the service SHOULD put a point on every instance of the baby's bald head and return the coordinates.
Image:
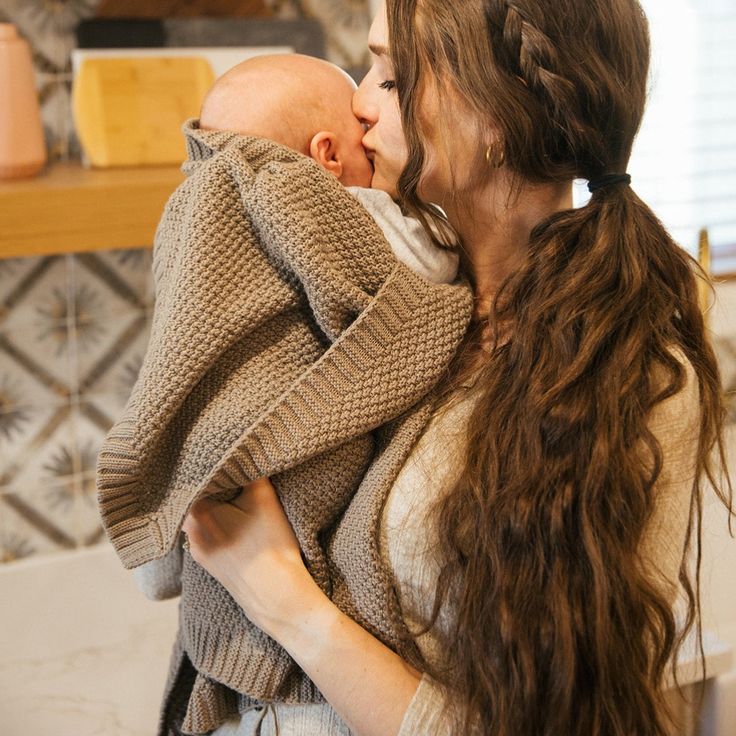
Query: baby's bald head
(294, 100)
(285, 97)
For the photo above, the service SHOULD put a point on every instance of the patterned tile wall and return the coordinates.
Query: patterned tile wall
(73, 331)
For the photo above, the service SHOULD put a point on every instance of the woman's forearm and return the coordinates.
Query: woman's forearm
(368, 684)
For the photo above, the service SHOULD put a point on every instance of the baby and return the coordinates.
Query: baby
(299, 101)
(305, 103)
(296, 322)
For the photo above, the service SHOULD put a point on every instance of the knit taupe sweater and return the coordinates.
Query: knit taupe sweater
(285, 332)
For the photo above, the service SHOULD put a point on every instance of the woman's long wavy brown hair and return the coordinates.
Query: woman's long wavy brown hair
(561, 629)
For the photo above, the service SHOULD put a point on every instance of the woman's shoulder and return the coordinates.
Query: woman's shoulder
(675, 424)
(680, 412)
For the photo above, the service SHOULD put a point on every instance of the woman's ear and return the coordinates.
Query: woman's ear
(323, 149)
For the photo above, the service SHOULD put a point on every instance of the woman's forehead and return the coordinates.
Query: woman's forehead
(378, 35)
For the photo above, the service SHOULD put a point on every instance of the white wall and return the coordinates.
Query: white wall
(719, 563)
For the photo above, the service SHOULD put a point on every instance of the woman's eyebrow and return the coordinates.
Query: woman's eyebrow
(378, 50)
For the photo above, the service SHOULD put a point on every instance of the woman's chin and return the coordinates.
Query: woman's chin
(379, 182)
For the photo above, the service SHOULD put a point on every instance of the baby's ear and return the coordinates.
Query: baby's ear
(323, 149)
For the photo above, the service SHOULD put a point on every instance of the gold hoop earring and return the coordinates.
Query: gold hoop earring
(493, 158)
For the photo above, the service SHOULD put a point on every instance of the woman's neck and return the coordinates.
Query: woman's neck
(495, 231)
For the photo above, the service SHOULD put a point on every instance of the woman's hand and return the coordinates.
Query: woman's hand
(249, 546)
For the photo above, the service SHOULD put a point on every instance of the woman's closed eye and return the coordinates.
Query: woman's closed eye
(388, 84)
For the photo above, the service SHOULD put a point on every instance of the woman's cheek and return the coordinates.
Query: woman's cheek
(440, 178)
(393, 149)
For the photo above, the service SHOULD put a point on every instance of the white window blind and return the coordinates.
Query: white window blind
(684, 159)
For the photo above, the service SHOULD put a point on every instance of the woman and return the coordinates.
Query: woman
(581, 417)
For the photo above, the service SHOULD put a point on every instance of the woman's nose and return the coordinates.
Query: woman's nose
(363, 108)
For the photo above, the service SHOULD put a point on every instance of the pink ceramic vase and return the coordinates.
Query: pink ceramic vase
(22, 149)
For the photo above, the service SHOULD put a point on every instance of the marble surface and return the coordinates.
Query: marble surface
(83, 652)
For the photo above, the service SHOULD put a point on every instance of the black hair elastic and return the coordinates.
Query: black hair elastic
(608, 180)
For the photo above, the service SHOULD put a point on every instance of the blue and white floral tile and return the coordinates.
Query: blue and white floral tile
(53, 499)
(44, 354)
(16, 539)
(109, 365)
(34, 291)
(45, 455)
(38, 507)
(89, 529)
(22, 384)
(111, 282)
(133, 269)
(25, 532)
(26, 434)
(73, 331)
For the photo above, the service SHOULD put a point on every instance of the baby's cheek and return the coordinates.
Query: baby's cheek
(367, 177)
(361, 171)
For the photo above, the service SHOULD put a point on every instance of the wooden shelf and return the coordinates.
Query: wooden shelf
(70, 209)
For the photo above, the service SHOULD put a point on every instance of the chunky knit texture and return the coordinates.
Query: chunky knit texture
(285, 332)
(194, 703)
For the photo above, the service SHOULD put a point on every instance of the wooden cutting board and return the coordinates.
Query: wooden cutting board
(129, 111)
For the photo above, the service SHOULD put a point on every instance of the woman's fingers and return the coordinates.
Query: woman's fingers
(258, 491)
(249, 546)
(202, 523)
(255, 510)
